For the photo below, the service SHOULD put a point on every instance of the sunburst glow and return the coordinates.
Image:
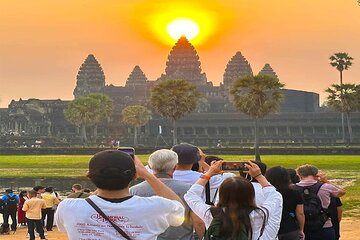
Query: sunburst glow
(168, 20)
(183, 27)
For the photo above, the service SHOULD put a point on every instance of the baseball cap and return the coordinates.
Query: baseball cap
(187, 153)
(111, 162)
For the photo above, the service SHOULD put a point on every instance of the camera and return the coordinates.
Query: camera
(128, 150)
(234, 166)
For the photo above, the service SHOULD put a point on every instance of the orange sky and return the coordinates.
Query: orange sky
(44, 42)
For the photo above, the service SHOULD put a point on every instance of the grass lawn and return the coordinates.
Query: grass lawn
(344, 169)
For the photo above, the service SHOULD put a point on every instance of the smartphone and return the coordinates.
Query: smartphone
(234, 166)
(128, 150)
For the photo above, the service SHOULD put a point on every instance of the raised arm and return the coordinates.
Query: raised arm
(194, 196)
(336, 191)
(203, 165)
(158, 187)
(272, 203)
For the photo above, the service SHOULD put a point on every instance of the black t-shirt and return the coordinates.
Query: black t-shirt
(291, 198)
(333, 214)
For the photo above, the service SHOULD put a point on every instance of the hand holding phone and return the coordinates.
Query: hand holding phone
(128, 150)
(234, 166)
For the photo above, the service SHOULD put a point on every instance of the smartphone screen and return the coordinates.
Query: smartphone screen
(234, 166)
(128, 150)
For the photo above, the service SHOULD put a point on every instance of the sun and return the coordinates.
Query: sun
(183, 27)
(200, 21)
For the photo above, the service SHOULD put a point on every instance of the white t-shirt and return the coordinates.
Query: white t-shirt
(142, 218)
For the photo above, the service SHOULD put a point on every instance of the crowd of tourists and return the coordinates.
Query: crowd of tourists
(34, 209)
(182, 194)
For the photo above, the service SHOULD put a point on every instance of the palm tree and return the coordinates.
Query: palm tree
(341, 61)
(257, 96)
(88, 111)
(173, 99)
(104, 108)
(344, 98)
(135, 116)
(357, 97)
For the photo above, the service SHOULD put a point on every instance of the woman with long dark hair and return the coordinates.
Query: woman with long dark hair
(293, 219)
(236, 213)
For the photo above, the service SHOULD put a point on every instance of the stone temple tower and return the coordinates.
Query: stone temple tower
(90, 78)
(183, 63)
(267, 70)
(137, 84)
(236, 68)
(136, 78)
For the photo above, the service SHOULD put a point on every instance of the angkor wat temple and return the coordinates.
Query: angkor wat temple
(299, 120)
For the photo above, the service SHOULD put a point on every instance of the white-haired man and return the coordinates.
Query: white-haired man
(163, 163)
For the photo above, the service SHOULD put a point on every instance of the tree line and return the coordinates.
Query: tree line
(256, 96)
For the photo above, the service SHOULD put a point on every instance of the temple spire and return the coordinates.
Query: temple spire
(136, 77)
(183, 63)
(267, 70)
(236, 68)
(90, 78)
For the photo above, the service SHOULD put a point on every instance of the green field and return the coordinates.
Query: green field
(345, 170)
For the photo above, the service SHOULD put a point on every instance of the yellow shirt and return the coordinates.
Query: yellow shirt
(50, 200)
(33, 207)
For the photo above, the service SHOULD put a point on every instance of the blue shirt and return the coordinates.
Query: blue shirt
(5, 197)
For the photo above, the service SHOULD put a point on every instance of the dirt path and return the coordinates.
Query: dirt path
(350, 230)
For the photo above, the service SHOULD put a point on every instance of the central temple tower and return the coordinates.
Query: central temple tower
(183, 63)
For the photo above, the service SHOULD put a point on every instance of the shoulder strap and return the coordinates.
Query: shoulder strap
(316, 187)
(312, 188)
(88, 200)
(81, 193)
(266, 214)
(213, 200)
(216, 212)
(207, 194)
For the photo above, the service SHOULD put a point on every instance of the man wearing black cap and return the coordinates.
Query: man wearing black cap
(188, 155)
(137, 217)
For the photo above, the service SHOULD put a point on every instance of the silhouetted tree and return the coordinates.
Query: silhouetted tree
(88, 111)
(135, 116)
(341, 61)
(345, 99)
(104, 108)
(257, 96)
(173, 99)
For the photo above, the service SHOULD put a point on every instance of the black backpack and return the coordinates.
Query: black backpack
(213, 232)
(315, 214)
(11, 204)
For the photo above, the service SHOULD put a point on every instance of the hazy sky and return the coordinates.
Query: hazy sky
(44, 42)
